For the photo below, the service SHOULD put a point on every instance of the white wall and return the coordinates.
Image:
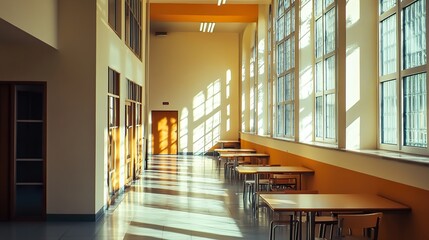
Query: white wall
(36, 17)
(197, 73)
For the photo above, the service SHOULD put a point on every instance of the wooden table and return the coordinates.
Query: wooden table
(258, 170)
(234, 150)
(236, 156)
(312, 203)
(226, 142)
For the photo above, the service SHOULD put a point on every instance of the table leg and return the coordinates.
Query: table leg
(311, 226)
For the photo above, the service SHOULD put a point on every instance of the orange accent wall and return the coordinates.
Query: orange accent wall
(203, 12)
(332, 179)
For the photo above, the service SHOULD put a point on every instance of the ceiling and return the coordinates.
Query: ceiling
(186, 15)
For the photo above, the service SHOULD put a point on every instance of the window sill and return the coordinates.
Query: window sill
(403, 157)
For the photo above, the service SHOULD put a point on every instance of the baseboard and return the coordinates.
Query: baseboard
(76, 217)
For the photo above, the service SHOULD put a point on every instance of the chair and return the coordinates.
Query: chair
(360, 226)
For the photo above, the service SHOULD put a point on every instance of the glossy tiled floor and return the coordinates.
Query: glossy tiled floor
(178, 197)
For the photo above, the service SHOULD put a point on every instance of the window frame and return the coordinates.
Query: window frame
(399, 77)
(281, 128)
(133, 26)
(114, 16)
(324, 56)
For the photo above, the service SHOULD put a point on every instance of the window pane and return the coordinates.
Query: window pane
(414, 35)
(293, 19)
(288, 23)
(287, 55)
(292, 50)
(279, 89)
(328, 2)
(280, 8)
(319, 38)
(289, 87)
(330, 73)
(385, 5)
(319, 117)
(388, 46)
(415, 111)
(280, 59)
(286, 3)
(318, 7)
(280, 115)
(330, 31)
(330, 116)
(289, 120)
(388, 112)
(319, 77)
(280, 28)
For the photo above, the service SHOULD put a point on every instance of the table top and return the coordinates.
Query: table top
(234, 150)
(243, 154)
(228, 141)
(331, 202)
(273, 169)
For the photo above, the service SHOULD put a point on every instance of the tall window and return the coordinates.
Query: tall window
(133, 25)
(403, 75)
(325, 70)
(114, 9)
(285, 78)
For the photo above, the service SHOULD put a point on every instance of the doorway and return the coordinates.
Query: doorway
(22, 151)
(164, 132)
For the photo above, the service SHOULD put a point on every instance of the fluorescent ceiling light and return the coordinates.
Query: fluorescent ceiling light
(207, 27)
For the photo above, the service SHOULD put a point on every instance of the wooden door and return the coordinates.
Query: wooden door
(129, 142)
(164, 132)
(5, 156)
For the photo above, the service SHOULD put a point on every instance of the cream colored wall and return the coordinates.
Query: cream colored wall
(262, 69)
(36, 17)
(71, 113)
(361, 74)
(112, 52)
(184, 68)
(247, 42)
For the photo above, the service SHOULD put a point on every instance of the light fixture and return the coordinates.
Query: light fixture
(207, 27)
(220, 2)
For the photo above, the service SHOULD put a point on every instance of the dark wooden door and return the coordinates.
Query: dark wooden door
(164, 132)
(5, 152)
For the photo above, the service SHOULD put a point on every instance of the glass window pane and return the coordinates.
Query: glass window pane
(388, 112)
(319, 38)
(280, 8)
(280, 115)
(385, 5)
(280, 59)
(287, 54)
(330, 116)
(292, 52)
(388, 46)
(330, 31)
(288, 23)
(280, 28)
(293, 19)
(279, 89)
(414, 35)
(289, 120)
(319, 117)
(328, 2)
(286, 3)
(415, 110)
(289, 87)
(330, 73)
(319, 77)
(318, 7)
